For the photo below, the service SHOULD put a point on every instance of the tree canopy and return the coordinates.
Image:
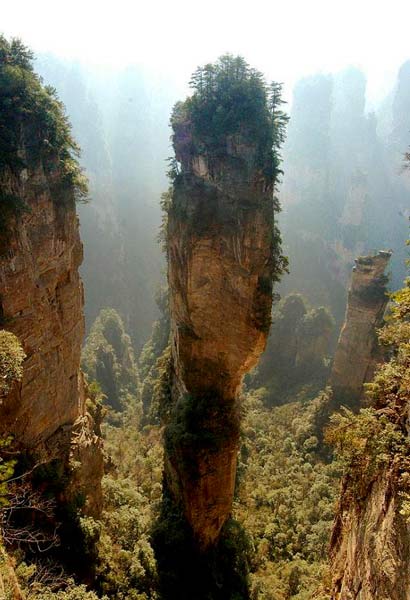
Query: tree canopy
(34, 128)
(230, 97)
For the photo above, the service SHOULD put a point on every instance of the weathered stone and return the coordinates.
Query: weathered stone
(358, 352)
(41, 299)
(220, 251)
(370, 545)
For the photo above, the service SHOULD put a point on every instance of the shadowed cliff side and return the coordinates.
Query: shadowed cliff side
(223, 257)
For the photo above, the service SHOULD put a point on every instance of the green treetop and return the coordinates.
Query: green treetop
(230, 97)
(34, 129)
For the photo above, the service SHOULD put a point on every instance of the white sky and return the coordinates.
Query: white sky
(285, 39)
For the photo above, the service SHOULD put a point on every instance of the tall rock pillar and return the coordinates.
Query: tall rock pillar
(221, 264)
(357, 352)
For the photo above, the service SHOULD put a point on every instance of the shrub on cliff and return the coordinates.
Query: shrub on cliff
(11, 361)
(34, 129)
(230, 97)
(376, 438)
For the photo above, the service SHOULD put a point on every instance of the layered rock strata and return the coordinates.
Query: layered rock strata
(370, 543)
(221, 261)
(41, 302)
(358, 352)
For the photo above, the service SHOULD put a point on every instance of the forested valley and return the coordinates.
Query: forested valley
(204, 337)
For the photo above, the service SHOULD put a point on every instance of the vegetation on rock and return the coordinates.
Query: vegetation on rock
(377, 437)
(11, 361)
(108, 359)
(35, 131)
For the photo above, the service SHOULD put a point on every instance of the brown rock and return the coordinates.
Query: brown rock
(357, 352)
(41, 299)
(220, 278)
(371, 544)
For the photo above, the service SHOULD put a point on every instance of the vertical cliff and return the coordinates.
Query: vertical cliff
(357, 351)
(41, 295)
(41, 303)
(222, 260)
(370, 545)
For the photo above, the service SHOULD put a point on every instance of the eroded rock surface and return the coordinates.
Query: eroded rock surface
(370, 544)
(41, 301)
(220, 252)
(357, 352)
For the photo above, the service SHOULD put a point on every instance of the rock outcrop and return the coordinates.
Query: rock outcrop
(357, 352)
(221, 258)
(41, 302)
(370, 543)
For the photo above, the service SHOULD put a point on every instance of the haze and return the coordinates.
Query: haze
(285, 40)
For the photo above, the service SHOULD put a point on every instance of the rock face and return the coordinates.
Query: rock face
(220, 255)
(41, 302)
(357, 351)
(370, 545)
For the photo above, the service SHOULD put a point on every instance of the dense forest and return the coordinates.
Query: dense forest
(201, 448)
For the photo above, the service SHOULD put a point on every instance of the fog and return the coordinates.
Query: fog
(285, 40)
(120, 67)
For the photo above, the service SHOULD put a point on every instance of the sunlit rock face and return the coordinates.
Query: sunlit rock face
(357, 352)
(220, 254)
(41, 299)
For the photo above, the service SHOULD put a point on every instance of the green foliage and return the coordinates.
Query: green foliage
(11, 361)
(364, 443)
(297, 352)
(376, 439)
(285, 499)
(6, 472)
(70, 591)
(198, 426)
(35, 129)
(108, 359)
(229, 98)
(155, 365)
(132, 489)
(219, 573)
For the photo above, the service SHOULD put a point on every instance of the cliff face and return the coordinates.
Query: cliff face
(220, 251)
(357, 351)
(370, 544)
(41, 302)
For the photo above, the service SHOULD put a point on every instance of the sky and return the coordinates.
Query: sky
(285, 39)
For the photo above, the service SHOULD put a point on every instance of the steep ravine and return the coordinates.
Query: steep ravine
(43, 416)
